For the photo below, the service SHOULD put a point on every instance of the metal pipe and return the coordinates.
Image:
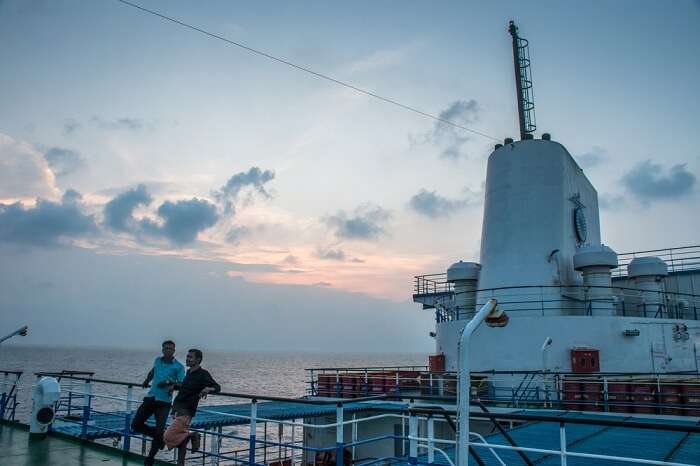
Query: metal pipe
(22, 331)
(465, 381)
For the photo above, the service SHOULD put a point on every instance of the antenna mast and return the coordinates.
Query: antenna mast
(523, 83)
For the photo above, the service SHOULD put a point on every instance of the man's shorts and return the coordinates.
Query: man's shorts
(178, 431)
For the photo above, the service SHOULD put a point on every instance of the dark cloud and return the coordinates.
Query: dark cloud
(125, 123)
(366, 222)
(118, 213)
(649, 181)
(70, 126)
(254, 178)
(433, 205)
(63, 161)
(331, 254)
(451, 139)
(461, 112)
(236, 234)
(592, 158)
(179, 222)
(182, 220)
(47, 223)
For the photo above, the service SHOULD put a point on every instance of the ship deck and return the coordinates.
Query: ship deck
(657, 445)
(17, 449)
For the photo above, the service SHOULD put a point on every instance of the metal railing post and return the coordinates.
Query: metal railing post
(605, 394)
(313, 391)
(412, 442)
(339, 435)
(127, 432)
(354, 436)
(214, 449)
(431, 437)
(87, 402)
(253, 428)
(562, 443)
(127, 419)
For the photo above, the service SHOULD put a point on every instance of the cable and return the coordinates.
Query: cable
(306, 70)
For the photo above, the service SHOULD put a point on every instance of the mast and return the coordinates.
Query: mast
(523, 83)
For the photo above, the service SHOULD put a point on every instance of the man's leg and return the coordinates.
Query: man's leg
(146, 410)
(182, 453)
(161, 415)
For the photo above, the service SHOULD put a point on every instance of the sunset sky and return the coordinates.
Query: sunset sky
(148, 171)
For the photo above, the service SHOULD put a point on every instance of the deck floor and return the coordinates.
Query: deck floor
(16, 449)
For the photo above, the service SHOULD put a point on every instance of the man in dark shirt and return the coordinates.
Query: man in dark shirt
(198, 383)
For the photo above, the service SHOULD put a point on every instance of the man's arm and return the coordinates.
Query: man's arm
(211, 386)
(148, 379)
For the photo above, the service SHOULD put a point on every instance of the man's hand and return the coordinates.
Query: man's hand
(203, 394)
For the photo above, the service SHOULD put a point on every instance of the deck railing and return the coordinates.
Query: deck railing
(617, 392)
(680, 259)
(8, 394)
(571, 300)
(416, 442)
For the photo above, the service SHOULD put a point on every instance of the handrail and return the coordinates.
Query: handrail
(249, 396)
(415, 366)
(11, 372)
(587, 287)
(525, 371)
(556, 419)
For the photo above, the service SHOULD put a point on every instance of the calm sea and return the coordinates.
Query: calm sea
(269, 373)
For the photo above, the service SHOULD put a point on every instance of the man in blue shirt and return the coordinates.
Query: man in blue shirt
(165, 372)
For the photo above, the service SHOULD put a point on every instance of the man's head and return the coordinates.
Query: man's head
(168, 349)
(194, 357)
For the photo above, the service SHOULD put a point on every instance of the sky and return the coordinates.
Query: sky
(156, 182)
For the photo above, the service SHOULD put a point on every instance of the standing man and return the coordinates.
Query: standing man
(198, 383)
(165, 372)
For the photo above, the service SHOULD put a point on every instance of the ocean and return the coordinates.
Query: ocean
(267, 373)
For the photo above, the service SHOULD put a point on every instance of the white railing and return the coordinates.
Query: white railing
(254, 445)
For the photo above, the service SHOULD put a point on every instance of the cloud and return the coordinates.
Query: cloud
(649, 181)
(24, 173)
(292, 260)
(63, 161)
(70, 126)
(179, 222)
(331, 254)
(378, 60)
(124, 123)
(237, 233)
(365, 222)
(613, 202)
(48, 223)
(447, 138)
(254, 178)
(182, 220)
(592, 158)
(432, 205)
(118, 213)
